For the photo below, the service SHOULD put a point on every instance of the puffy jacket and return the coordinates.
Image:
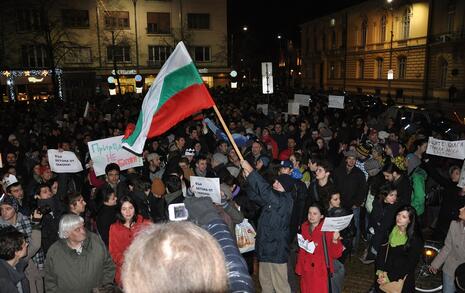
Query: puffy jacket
(272, 243)
(418, 178)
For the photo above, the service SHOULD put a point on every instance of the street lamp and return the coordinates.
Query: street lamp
(390, 71)
(245, 28)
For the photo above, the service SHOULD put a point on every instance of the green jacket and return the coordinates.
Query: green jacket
(418, 178)
(68, 272)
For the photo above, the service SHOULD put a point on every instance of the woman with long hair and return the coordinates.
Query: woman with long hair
(397, 259)
(122, 232)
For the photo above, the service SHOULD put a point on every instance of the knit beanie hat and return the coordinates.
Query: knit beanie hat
(11, 201)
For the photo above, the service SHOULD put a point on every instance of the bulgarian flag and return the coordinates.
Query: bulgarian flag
(177, 92)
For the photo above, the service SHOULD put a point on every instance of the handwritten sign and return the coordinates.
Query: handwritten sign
(206, 187)
(445, 148)
(461, 183)
(336, 102)
(293, 108)
(335, 224)
(63, 162)
(264, 108)
(304, 100)
(109, 150)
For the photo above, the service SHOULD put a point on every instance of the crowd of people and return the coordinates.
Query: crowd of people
(79, 232)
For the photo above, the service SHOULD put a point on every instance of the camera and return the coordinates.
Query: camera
(177, 212)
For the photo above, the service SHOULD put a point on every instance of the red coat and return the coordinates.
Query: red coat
(268, 140)
(312, 267)
(120, 237)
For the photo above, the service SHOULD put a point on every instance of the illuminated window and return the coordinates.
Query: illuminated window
(382, 31)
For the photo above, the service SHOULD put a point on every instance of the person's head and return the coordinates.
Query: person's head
(296, 159)
(278, 128)
(312, 164)
(351, 158)
(420, 146)
(391, 172)
(13, 244)
(315, 134)
(303, 126)
(43, 191)
(335, 200)
(9, 209)
(172, 183)
(262, 162)
(193, 133)
(184, 163)
(285, 167)
(291, 143)
(462, 213)
(46, 174)
(315, 214)
(11, 158)
(406, 220)
(266, 132)
(388, 194)
(180, 142)
(72, 228)
(112, 171)
(154, 160)
(454, 173)
(201, 163)
(256, 148)
(127, 210)
(75, 203)
(323, 170)
(108, 196)
(320, 142)
(174, 249)
(53, 183)
(223, 147)
(16, 190)
(218, 159)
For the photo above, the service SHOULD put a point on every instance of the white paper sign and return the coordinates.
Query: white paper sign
(109, 150)
(304, 100)
(335, 224)
(293, 108)
(63, 162)
(305, 244)
(206, 187)
(461, 183)
(264, 108)
(445, 148)
(336, 102)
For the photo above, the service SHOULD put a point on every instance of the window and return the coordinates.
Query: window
(364, 32)
(202, 54)
(34, 56)
(198, 20)
(382, 30)
(159, 54)
(379, 68)
(120, 53)
(402, 67)
(406, 24)
(450, 17)
(333, 40)
(75, 18)
(332, 70)
(361, 69)
(117, 20)
(28, 20)
(78, 55)
(443, 73)
(158, 23)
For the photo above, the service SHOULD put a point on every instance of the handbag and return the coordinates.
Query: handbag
(394, 286)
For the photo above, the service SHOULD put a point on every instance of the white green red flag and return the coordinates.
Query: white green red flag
(177, 92)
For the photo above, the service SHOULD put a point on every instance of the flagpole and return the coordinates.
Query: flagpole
(226, 129)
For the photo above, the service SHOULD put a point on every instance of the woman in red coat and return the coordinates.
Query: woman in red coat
(123, 231)
(311, 267)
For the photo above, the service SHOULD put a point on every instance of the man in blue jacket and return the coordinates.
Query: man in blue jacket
(272, 243)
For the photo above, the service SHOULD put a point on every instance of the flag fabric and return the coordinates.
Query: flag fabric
(177, 92)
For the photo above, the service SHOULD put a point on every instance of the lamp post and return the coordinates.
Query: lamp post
(137, 36)
(390, 48)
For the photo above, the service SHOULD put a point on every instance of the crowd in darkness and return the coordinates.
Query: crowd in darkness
(79, 232)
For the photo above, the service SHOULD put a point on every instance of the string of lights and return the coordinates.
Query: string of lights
(11, 75)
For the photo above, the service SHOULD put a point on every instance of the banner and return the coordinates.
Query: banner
(206, 187)
(336, 102)
(293, 108)
(63, 162)
(109, 150)
(461, 183)
(304, 100)
(264, 108)
(445, 148)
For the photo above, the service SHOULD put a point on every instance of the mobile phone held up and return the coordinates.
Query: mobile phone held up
(177, 212)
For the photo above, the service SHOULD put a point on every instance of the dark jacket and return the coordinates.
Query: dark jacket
(352, 186)
(404, 190)
(272, 243)
(10, 276)
(298, 216)
(382, 218)
(105, 217)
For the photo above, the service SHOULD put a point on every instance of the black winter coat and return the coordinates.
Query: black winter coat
(352, 186)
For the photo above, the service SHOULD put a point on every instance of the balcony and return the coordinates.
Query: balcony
(448, 37)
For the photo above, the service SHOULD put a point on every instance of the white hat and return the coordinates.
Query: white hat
(383, 135)
(9, 180)
(189, 152)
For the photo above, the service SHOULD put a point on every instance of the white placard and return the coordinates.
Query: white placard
(390, 75)
(308, 246)
(63, 162)
(264, 108)
(336, 102)
(267, 68)
(461, 183)
(206, 187)
(304, 100)
(335, 224)
(267, 84)
(293, 108)
(445, 148)
(110, 150)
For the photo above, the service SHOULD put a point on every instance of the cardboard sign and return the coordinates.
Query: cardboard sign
(445, 148)
(264, 108)
(109, 150)
(304, 100)
(206, 187)
(293, 108)
(461, 183)
(335, 224)
(63, 162)
(336, 102)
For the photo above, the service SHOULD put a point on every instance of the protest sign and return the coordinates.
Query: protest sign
(461, 183)
(308, 246)
(63, 162)
(293, 108)
(304, 100)
(206, 187)
(336, 102)
(445, 148)
(264, 108)
(109, 150)
(336, 223)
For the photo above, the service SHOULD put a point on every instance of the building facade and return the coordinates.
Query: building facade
(90, 40)
(382, 48)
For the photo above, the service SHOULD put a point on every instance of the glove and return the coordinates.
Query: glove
(201, 210)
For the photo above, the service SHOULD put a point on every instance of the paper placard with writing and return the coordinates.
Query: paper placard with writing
(446, 148)
(206, 187)
(63, 162)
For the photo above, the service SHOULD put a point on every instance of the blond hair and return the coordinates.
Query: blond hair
(174, 257)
